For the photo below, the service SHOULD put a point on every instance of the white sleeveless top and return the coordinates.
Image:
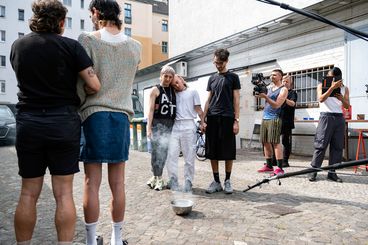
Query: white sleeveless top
(111, 38)
(332, 104)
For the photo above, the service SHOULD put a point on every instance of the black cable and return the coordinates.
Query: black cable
(315, 16)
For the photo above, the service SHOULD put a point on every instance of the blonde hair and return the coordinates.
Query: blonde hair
(182, 79)
(290, 78)
(167, 69)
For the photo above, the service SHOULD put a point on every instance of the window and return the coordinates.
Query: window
(165, 26)
(305, 84)
(20, 34)
(2, 36)
(2, 11)
(2, 60)
(68, 22)
(21, 14)
(164, 47)
(67, 2)
(2, 86)
(82, 24)
(128, 31)
(127, 13)
(82, 4)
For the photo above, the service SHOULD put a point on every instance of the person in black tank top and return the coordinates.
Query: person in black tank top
(161, 116)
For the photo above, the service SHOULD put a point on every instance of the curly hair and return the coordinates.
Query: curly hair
(109, 11)
(47, 15)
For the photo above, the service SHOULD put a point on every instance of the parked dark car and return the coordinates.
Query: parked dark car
(7, 125)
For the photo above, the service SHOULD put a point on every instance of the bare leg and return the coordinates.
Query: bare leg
(92, 182)
(116, 172)
(228, 165)
(214, 165)
(267, 150)
(65, 214)
(26, 213)
(278, 151)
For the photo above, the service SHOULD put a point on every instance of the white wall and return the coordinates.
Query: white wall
(194, 23)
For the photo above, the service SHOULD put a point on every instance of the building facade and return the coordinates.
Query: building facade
(148, 22)
(216, 19)
(144, 20)
(300, 46)
(14, 16)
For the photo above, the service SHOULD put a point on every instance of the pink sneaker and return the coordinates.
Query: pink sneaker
(278, 171)
(265, 168)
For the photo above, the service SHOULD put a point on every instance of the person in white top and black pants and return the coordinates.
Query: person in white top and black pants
(331, 126)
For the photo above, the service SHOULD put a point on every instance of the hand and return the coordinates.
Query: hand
(88, 90)
(203, 127)
(262, 95)
(149, 133)
(336, 84)
(236, 127)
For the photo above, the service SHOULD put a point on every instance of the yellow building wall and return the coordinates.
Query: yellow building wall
(157, 55)
(146, 57)
(146, 28)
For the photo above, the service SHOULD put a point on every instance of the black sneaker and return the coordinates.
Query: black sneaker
(312, 176)
(334, 177)
(285, 164)
(125, 242)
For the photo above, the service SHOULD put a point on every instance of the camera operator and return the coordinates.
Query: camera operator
(331, 126)
(271, 122)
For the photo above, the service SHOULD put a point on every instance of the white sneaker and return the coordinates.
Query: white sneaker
(160, 184)
(99, 240)
(152, 182)
(214, 187)
(227, 187)
(187, 186)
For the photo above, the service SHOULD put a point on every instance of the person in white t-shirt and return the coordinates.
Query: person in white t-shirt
(183, 136)
(331, 125)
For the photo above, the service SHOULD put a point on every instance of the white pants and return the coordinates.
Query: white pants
(183, 137)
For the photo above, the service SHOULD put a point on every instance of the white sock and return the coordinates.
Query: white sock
(91, 233)
(25, 243)
(117, 233)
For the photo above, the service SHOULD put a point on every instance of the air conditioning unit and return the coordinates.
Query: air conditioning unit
(181, 68)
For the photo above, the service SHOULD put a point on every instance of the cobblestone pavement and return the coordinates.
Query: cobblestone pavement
(297, 212)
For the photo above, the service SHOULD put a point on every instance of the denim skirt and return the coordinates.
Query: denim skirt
(105, 138)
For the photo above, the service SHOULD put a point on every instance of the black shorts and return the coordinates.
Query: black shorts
(220, 138)
(48, 138)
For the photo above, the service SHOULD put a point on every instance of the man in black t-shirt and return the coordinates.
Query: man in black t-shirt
(222, 123)
(287, 117)
(47, 66)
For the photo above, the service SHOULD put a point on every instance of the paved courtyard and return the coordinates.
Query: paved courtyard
(295, 212)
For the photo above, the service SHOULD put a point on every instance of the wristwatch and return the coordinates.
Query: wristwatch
(236, 119)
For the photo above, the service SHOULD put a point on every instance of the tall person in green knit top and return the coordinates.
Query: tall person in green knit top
(106, 115)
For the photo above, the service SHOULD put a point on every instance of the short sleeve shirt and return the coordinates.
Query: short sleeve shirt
(288, 112)
(46, 66)
(186, 101)
(222, 86)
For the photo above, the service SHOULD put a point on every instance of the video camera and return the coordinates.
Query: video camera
(258, 80)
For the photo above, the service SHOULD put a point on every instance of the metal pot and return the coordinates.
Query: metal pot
(182, 206)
